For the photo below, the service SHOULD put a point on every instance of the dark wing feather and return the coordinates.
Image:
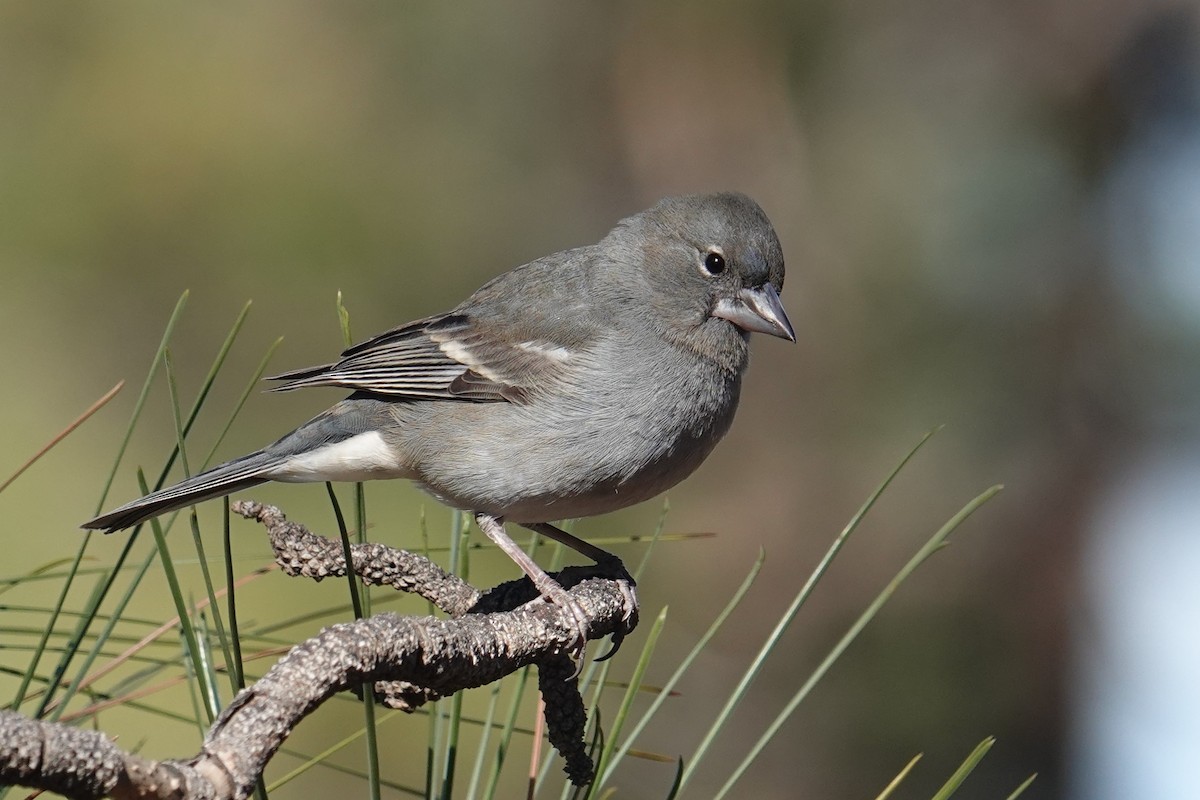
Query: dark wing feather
(444, 357)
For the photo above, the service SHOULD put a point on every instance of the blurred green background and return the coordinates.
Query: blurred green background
(941, 175)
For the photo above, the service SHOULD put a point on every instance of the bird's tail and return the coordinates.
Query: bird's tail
(241, 473)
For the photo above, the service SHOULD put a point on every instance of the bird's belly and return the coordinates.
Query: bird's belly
(576, 467)
(544, 495)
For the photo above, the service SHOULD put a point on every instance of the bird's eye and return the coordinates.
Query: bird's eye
(714, 263)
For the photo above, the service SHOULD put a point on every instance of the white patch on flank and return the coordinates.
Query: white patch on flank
(360, 458)
(552, 352)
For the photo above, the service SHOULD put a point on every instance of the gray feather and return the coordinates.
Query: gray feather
(219, 481)
(595, 378)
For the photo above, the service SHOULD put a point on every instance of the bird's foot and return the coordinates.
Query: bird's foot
(577, 618)
(614, 568)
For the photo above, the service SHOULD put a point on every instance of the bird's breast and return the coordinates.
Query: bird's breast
(615, 437)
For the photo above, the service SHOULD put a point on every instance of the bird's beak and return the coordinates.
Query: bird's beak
(757, 310)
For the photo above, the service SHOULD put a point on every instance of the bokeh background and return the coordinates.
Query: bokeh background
(991, 215)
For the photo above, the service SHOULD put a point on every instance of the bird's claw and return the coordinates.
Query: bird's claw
(577, 621)
(628, 588)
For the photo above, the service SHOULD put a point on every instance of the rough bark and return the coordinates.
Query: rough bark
(409, 661)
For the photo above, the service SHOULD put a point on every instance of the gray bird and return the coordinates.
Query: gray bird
(577, 384)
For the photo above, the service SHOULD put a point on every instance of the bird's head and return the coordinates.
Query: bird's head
(713, 266)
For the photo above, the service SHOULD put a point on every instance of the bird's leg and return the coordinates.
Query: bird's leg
(493, 528)
(608, 562)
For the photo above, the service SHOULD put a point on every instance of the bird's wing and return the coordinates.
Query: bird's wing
(451, 356)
